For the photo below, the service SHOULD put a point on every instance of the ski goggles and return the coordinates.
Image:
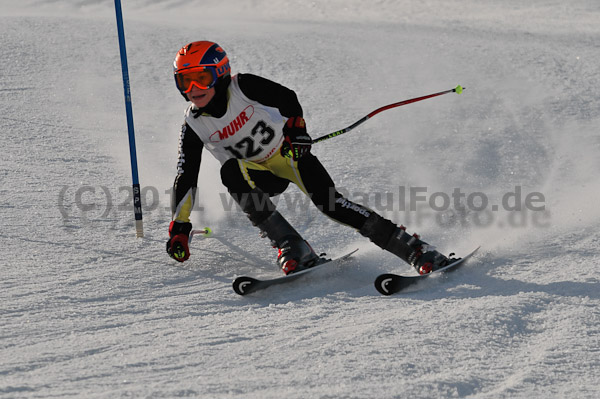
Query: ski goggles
(204, 78)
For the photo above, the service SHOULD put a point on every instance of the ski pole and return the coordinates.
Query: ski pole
(205, 232)
(458, 89)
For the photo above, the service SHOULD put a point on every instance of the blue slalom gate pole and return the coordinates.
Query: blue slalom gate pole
(137, 199)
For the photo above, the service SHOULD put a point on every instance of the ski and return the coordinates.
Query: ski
(245, 285)
(389, 283)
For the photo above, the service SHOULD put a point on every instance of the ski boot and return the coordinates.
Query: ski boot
(295, 253)
(426, 258)
(396, 240)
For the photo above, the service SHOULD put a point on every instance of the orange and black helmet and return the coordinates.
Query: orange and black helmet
(200, 64)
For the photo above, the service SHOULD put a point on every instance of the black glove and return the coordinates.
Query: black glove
(177, 246)
(296, 141)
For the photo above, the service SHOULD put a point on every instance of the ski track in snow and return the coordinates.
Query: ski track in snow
(88, 311)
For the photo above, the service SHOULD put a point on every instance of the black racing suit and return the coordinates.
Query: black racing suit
(318, 184)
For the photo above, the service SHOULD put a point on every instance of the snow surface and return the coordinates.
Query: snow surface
(89, 311)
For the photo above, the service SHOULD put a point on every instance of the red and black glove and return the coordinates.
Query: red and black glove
(177, 246)
(296, 142)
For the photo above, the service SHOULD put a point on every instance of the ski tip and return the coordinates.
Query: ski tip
(242, 285)
(459, 89)
(472, 252)
(383, 284)
(350, 254)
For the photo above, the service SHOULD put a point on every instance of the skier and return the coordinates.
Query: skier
(255, 128)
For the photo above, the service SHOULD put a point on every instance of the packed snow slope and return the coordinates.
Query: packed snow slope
(89, 311)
